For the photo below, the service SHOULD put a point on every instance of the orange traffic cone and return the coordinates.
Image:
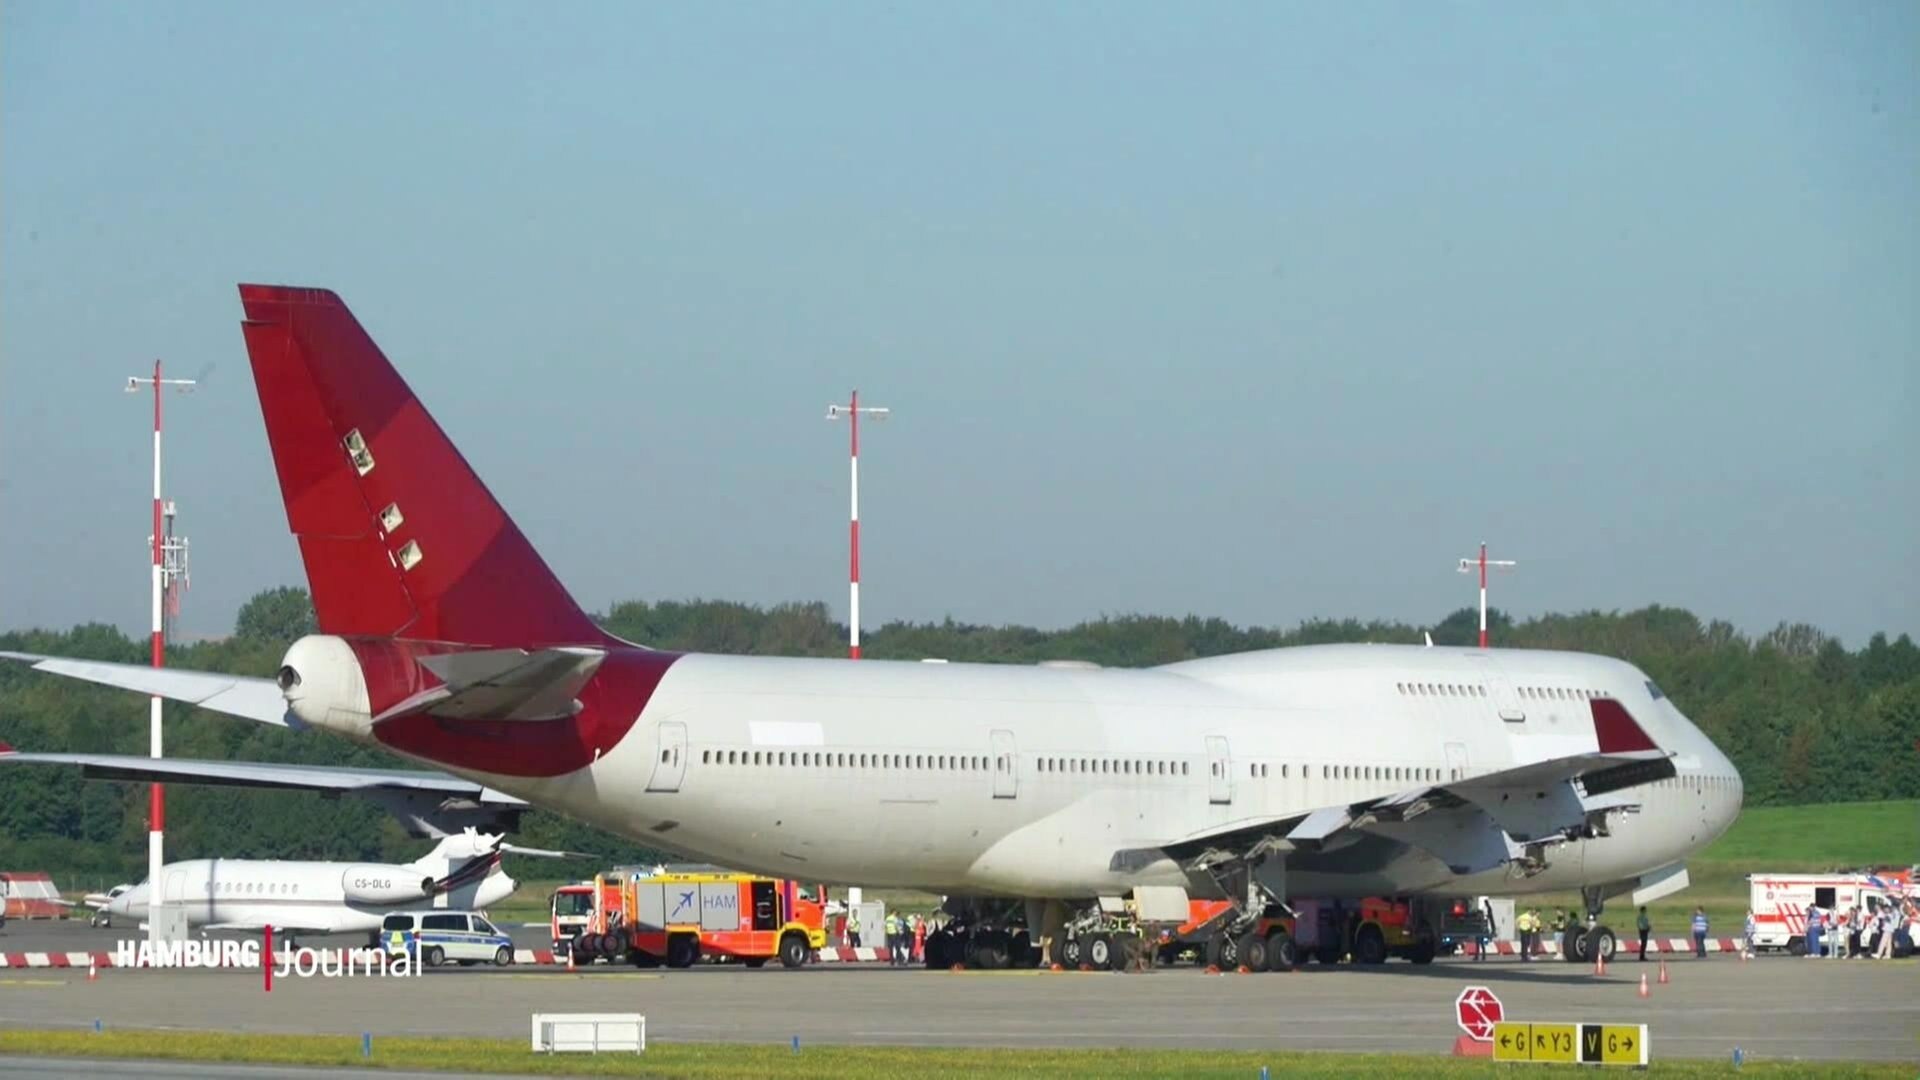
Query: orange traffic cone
(93, 969)
(1663, 973)
(570, 966)
(1644, 992)
(1599, 962)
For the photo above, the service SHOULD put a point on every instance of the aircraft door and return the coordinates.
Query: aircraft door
(1006, 766)
(671, 763)
(176, 886)
(1456, 761)
(1219, 770)
(1505, 699)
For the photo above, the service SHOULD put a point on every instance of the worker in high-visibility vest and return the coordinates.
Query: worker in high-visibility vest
(893, 938)
(853, 929)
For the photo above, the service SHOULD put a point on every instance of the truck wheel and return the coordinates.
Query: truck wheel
(1369, 947)
(502, 956)
(682, 950)
(793, 951)
(1282, 954)
(1797, 946)
(1253, 952)
(1423, 951)
(435, 956)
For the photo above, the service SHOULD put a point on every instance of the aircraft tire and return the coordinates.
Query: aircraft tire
(1253, 952)
(1601, 942)
(1282, 953)
(1573, 946)
(1074, 951)
(1223, 952)
(1099, 952)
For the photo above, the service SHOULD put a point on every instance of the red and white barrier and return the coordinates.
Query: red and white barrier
(1627, 947)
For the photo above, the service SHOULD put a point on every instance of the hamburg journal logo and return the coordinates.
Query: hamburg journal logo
(297, 963)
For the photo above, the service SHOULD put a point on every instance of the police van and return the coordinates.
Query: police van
(436, 937)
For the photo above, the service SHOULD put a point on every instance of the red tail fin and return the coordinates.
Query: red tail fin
(400, 538)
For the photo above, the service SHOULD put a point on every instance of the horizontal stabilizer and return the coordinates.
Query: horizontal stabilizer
(503, 684)
(235, 695)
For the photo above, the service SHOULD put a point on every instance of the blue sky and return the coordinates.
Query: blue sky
(1265, 311)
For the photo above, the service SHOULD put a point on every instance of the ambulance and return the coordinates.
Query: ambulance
(1780, 902)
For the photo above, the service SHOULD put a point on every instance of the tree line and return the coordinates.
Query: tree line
(1803, 718)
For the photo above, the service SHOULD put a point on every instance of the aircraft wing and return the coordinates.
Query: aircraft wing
(260, 774)
(1470, 825)
(236, 695)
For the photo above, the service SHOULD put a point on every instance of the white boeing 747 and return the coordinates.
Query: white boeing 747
(1038, 799)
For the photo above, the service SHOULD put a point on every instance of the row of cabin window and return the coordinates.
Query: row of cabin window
(1427, 689)
(1260, 771)
(1722, 783)
(236, 888)
(1112, 766)
(823, 760)
(1537, 693)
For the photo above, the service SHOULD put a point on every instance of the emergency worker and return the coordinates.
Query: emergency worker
(893, 938)
(1699, 933)
(1528, 924)
(1645, 926)
(853, 929)
(1816, 928)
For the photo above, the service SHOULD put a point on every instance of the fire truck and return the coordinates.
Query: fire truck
(571, 912)
(676, 918)
(1780, 903)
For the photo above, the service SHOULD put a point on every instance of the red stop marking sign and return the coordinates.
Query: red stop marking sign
(1476, 1010)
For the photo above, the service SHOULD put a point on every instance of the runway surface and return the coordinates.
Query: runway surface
(1770, 1007)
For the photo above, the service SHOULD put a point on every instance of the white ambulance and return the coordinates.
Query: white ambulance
(1780, 902)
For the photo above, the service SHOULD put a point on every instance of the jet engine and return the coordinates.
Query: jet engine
(371, 884)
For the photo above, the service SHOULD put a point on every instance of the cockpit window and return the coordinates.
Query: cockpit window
(1654, 689)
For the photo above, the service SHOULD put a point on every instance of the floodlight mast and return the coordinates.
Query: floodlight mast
(1467, 567)
(159, 544)
(852, 411)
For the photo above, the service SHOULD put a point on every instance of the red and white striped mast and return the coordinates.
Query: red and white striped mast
(852, 410)
(165, 568)
(1467, 567)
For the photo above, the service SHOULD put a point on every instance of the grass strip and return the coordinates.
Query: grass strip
(712, 1061)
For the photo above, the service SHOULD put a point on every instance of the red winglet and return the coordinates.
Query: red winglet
(1617, 730)
(7, 748)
